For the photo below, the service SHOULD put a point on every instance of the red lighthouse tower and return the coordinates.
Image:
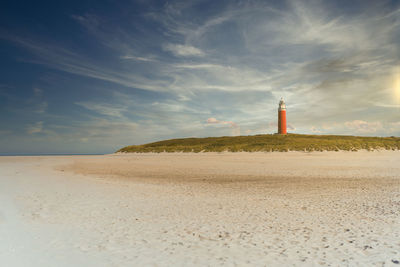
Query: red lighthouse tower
(282, 117)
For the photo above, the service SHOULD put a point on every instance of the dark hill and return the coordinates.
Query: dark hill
(290, 142)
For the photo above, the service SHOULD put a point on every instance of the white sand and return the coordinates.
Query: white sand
(330, 208)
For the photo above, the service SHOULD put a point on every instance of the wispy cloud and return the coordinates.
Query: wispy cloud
(183, 50)
(37, 91)
(35, 128)
(215, 121)
(364, 126)
(291, 127)
(63, 59)
(161, 72)
(145, 59)
(41, 107)
(236, 128)
(104, 108)
(315, 129)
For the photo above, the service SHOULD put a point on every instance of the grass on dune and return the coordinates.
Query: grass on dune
(268, 142)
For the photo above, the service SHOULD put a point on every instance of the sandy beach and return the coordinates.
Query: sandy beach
(183, 209)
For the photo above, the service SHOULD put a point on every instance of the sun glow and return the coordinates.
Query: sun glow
(397, 86)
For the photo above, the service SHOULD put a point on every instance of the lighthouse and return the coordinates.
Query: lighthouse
(282, 117)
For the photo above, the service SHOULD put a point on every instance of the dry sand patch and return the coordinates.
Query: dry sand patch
(210, 209)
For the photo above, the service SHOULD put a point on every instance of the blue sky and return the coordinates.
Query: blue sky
(94, 76)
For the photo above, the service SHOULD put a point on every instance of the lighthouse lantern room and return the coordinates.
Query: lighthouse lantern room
(282, 117)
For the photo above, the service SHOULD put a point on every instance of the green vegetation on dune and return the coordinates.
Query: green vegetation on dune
(266, 143)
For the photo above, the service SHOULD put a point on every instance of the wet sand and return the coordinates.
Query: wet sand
(302, 209)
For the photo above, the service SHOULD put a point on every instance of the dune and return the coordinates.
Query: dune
(180, 209)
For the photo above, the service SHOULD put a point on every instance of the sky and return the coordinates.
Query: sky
(94, 76)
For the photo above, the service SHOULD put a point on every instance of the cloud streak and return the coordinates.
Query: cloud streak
(162, 69)
(234, 126)
(361, 126)
(35, 128)
(183, 50)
